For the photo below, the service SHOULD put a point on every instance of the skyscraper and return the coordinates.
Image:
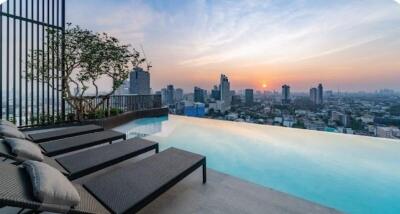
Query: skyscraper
(178, 94)
(285, 94)
(139, 82)
(199, 95)
(216, 93)
(313, 95)
(225, 88)
(249, 96)
(169, 99)
(164, 96)
(320, 95)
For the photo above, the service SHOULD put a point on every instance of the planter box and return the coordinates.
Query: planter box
(112, 122)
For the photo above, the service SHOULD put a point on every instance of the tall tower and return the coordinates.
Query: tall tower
(199, 95)
(225, 88)
(170, 95)
(285, 94)
(313, 95)
(249, 97)
(139, 81)
(320, 95)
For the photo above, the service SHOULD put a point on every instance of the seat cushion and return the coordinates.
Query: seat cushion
(8, 131)
(24, 149)
(7, 123)
(50, 186)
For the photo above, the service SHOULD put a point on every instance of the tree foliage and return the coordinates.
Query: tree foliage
(87, 58)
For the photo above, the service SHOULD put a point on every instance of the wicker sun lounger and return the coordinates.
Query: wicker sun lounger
(85, 162)
(64, 133)
(71, 144)
(124, 190)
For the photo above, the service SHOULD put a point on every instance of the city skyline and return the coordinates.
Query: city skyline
(257, 43)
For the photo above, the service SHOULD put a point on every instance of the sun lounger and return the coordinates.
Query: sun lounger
(124, 190)
(57, 147)
(64, 133)
(85, 162)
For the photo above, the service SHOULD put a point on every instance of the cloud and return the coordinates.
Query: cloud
(202, 35)
(297, 31)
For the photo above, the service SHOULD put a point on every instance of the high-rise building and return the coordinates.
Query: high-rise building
(320, 95)
(285, 94)
(249, 96)
(236, 100)
(226, 96)
(313, 95)
(178, 94)
(139, 82)
(216, 93)
(170, 95)
(124, 88)
(164, 96)
(199, 95)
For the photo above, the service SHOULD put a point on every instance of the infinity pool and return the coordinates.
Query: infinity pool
(350, 173)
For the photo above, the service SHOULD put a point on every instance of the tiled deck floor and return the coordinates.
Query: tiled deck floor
(226, 194)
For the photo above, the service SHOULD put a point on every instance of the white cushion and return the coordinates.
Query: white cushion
(50, 186)
(8, 131)
(7, 123)
(24, 149)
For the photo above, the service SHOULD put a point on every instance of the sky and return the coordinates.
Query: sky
(347, 45)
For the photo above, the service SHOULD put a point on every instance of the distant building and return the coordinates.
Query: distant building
(139, 80)
(236, 100)
(164, 96)
(170, 95)
(313, 95)
(285, 94)
(216, 93)
(124, 88)
(178, 95)
(329, 93)
(199, 95)
(320, 95)
(195, 110)
(249, 97)
(340, 117)
(226, 96)
(388, 132)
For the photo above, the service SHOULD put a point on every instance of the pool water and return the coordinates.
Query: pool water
(353, 174)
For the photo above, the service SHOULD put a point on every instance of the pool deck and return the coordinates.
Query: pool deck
(226, 194)
(223, 194)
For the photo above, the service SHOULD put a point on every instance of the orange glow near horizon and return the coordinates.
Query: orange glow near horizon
(264, 85)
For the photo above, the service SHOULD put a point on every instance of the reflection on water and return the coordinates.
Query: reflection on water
(142, 127)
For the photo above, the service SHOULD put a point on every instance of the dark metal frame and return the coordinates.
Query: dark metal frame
(112, 162)
(63, 133)
(23, 25)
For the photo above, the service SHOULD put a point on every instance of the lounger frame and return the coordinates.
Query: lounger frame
(62, 133)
